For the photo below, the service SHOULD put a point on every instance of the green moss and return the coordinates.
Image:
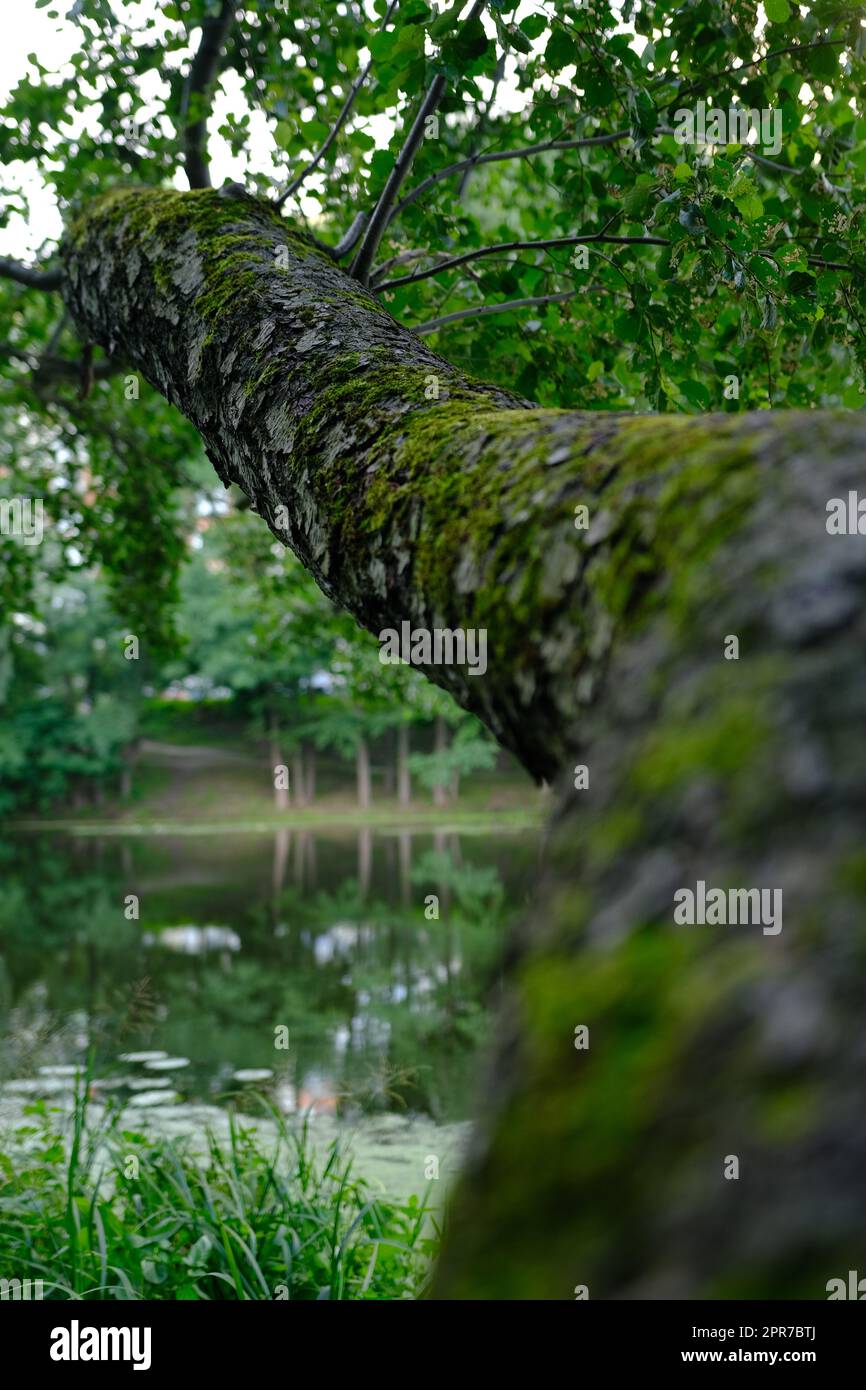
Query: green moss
(789, 1112)
(723, 743)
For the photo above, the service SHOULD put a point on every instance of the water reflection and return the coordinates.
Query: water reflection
(340, 973)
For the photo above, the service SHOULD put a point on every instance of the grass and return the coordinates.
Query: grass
(111, 1214)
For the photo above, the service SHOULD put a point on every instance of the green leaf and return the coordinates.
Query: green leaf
(750, 207)
(518, 40)
(777, 11)
(445, 22)
(561, 51)
(696, 393)
(533, 25)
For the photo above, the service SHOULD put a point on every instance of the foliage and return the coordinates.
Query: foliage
(748, 283)
(726, 276)
(249, 1220)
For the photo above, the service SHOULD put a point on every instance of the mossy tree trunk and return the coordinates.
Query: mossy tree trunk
(412, 492)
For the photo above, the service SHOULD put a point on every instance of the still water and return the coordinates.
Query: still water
(308, 966)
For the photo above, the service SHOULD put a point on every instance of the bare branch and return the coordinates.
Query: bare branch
(379, 219)
(494, 156)
(381, 213)
(339, 122)
(417, 253)
(348, 242)
(202, 74)
(480, 309)
(31, 276)
(49, 366)
(497, 250)
(744, 67)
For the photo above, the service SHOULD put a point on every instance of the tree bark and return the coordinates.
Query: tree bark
(414, 493)
(362, 766)
(281, 795)
(365, 861)
(404, 780)
(299, 779)
(440, 743)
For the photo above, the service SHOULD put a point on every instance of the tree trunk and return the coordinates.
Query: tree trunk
(404, 781)
(362, 764)
(281, 794)
(310, 780)
(299, 780)
(365, 861)
(404, 846)
(455, 507)
(440, 743)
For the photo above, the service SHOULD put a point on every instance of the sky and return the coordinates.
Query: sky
(55, 40)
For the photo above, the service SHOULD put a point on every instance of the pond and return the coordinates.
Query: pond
(345, 975)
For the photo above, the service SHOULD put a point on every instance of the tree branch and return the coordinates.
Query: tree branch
(494, 156)
(51, 366)
(405, 258)
(381, 213)
(349, 241)
(380, 216)
(202, 74)
(31, 276)
(345, 111)
(480, 309)
(497, 250)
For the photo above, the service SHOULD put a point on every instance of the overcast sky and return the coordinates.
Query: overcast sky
(55, 40)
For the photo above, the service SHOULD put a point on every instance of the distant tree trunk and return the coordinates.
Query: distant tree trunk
(611, 557)
(443, 887)
(310, 856)
(310, 782)
(404, 844)
(299, 780)
(131, 755)
(389, 780)
(281, 794)
(404, 782)
(440, 791)
(362, 763)
(282, 841)
(365, 860)
(299, 854)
